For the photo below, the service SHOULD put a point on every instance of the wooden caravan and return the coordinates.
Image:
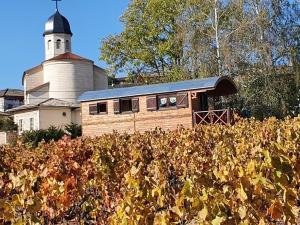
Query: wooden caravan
(166, 105)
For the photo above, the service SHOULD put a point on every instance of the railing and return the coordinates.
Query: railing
(222, 116)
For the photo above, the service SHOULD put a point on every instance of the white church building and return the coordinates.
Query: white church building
(51, 88)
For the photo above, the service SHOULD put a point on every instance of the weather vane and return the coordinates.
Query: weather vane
(57, 3)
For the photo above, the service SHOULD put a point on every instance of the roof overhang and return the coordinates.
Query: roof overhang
(32, 71)
(213, 85)
(4, 114)
(38, 87)
(49, 103)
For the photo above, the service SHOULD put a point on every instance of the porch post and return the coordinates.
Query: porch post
(194, 118)
(228, 116)
(191, 107)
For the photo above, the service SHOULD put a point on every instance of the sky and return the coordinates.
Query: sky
(22, 25)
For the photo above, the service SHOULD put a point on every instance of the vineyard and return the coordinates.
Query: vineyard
(248, 173)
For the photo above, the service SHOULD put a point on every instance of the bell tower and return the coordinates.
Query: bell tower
(57, 35)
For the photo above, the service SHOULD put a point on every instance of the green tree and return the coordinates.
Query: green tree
(256, 42)
(149, 44)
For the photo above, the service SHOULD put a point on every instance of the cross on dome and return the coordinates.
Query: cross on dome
(57, 3)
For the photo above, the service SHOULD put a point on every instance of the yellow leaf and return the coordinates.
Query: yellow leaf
(241, 171)
(202, 214)
(177, 211)
(218, 220)
(17, 201)
(204, 196)
(242, 212)
(161, 219)
(242, 194)
(19, 222)
(261, 222)
(187, 189)
(251, 167)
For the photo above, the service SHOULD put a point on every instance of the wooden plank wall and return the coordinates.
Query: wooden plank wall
(168, 119)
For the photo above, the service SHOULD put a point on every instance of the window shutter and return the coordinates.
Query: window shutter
(152, 103)
(117, 106)
(93, 109)
(135, 105)
(182, 100)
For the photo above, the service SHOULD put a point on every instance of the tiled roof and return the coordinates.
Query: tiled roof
(207, 83)
(68, 56)
(11, 93)
(4, 114)
(58, 103)
(51, 102)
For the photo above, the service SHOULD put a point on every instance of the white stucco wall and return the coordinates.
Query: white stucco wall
(38, 95)
(54, 117)
(2, 104)
(33, 80)
(76, 116)
(25, 117)
(50, 45)
(100, 79)
(7, 137)
(46, 117)
(68, 78)
(3, 138)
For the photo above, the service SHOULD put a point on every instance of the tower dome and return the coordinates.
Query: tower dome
(57, 23)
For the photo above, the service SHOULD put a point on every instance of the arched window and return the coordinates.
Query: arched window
(49, 44)
(58, 44)
(67, 45)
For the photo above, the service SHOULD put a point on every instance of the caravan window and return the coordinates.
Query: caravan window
(167, 101)
(126, 105)
(101, 108)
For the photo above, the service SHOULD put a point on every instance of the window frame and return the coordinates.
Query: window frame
(134, 105)
(121, 105)
(21, 124)
(67, 45)
(58, 44)
(168, 104)
(31, 123)
(98, 108)
(49, 44)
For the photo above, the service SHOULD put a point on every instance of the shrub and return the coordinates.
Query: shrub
(36, 136)
(7, 124)
(73, 130)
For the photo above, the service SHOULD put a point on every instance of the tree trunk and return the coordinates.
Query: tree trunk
(216, 24)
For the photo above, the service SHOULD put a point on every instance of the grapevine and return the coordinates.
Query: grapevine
(247, 173)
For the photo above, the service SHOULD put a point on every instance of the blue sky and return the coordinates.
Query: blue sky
(22, 26)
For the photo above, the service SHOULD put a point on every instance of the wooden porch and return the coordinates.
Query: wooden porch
(222, 116)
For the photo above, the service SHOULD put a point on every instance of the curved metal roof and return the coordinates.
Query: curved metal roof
(57, 23)
(197, 84)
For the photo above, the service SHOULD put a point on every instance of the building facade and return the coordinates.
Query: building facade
(51, 88)
(11, 98)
